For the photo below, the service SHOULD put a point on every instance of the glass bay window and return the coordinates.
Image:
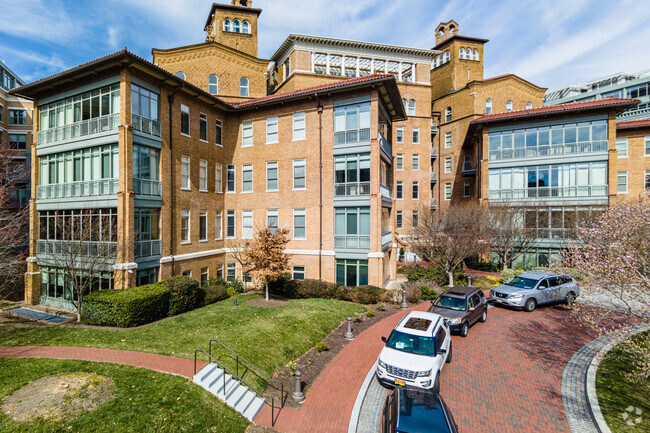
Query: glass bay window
(352, 175)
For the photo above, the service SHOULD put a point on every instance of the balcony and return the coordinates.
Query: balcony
(73, 249)
(385, 192)
(555, 233)
(434, 177)
(550, 192)
(385, 145)
(469, 169)
(434, 152)
(433, 204)
(386, 238)
(352, 242)
(148, 248)
(84, 188)
(147, 187)
(144, 125)
(434, 128)
(85, 128)
(352, 136)
(351, 189)
(599, 146)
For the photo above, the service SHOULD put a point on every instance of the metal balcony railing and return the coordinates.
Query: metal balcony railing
(352, 136)
(384, 144)
(351, 189)
(386, 238)
(385, 191)
(147, 248)
(434, 177)
(145, 125)
(84, 188)
(550, 192)
(76, 248)
(147, 187)
(352, 242)
(434, 152)
(83, 128)
(434, 203)
(599, 146)
(468, 167)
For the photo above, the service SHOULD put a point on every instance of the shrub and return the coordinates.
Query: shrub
(237, 285)
(292, 366)
(284, 286)
(413, 293)
(365, 294)
(494, 281)
(212, 291)
(356, 318)
(317, 289)
(126, 308)
(436, 274)
(230, 292)
(429, 291)
(183, 294)
(506, 274)
(483, 266)
(381, 306)
(370, 314)
(322, 346)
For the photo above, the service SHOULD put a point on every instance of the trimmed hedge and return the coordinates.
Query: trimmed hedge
(436, 274)
(126, 308)
(303, 289)
(183, 291)
(212, 291)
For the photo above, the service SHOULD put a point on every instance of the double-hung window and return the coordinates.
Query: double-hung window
(203, 175)
(621, 147)
(218, 178)
(299, 180)
(219, 133)
(399, 190)
(247, 224)
(17, 141)
(647, 181)
(230, 178)
(185, 120)
(447, 140)
(416, 162)
(185, 172)
(399, 134)
(203, 226)
(448, 191)
(466, 189)
(271, 130)
(298, 273)
(299, 224)
(622, 182)
(272, 176)
(647, 146)
(247, 133)
(272, 220)
(416, 135)
(448, 164)
(399, 161)
(247, 178)
(415, 219)
(231, 271)
(399, 219)
(416, 190)
(185, 226)
(203, 127)
(298, 126)
(18, 117)
(230, 224)
(218, 224)
(243, 86)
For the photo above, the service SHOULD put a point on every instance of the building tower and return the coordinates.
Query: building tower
(234, 26)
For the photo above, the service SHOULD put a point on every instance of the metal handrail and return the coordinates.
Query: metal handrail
(240, 380)
(261, 373)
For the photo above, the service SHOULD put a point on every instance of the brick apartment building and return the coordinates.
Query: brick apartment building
(342, 142)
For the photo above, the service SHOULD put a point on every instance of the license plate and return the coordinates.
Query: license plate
(399, 382)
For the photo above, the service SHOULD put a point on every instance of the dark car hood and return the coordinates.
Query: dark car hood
(446, 312)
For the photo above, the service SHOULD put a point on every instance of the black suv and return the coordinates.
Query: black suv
(414, 410)
(461, 307)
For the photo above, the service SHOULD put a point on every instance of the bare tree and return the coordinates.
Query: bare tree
(82, 245)
(14, 216)
(508, 234)
(265, 258)
(448, 237)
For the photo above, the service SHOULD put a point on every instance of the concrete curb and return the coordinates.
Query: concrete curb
(356, 410)
(590, 385)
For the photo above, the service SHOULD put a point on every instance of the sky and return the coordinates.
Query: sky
(552, 43)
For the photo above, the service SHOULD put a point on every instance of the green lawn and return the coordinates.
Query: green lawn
(267, 337)
(616, 393)
(145, 401)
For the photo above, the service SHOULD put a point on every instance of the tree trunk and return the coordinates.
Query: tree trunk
(267, 290)
(451, 278)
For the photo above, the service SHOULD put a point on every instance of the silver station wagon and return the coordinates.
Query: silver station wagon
(530, 289)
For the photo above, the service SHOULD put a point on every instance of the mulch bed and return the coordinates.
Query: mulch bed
(312, 363)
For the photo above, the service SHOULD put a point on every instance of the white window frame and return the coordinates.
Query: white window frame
(273, 213)
(296, 270)
(185, 234)
(185, 109)
(415, 164)
(218, 129)
(247, 133)
(299, 212)
(245, 168)
(206, 273)
(233, 213)
(447, 191)
(646, 142)
(299, 134)
(185, 173)
(399, 134)
(399, 183)
(411, 107)
(627, 186)
(416, 135)
(203, 175)
(415, 217)
(218, 178)
(203, 213)
(299, 163)
(508, 106)
(218, 224)
(212, 85)
(272, 165)
(488, 106)
(203, 120)
(246, 230)
(415, 190)
(529, 105)
(234, 179)
(270, 123)
(447, 140)
(399, 219)
(448, 167)
(621, 143)
(399, 162)
(645, 177)
(244, 89)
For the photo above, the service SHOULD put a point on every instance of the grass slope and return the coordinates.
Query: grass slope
(145, 401)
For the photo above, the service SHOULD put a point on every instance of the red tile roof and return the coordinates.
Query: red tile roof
(624, 104)
(320, 88)
(629, 124)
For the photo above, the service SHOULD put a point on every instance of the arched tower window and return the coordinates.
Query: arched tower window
(439, 60)
(236, 26)
(461, 54)
(488, 106)
(411, 107)
(227, 25)
(446, 56)
(509, 106)
(213, 85)
(243, 86)
(475, 55)
(180, 74)
(529, 105)
(448, 114)
(246, 28)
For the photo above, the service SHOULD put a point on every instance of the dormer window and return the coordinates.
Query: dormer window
(509, 106)
(236, 26)
(529, 105)
(227, 25)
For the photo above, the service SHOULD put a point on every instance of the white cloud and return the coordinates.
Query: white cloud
(113, 36)
(35, 19)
